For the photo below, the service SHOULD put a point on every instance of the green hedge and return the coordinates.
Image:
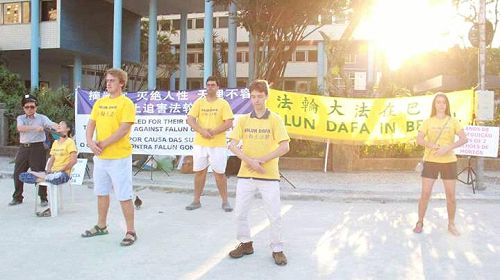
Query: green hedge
(57, 104)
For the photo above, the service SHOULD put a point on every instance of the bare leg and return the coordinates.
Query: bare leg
(425, 195)
(39, 174)
(102, 210)
(128, 214)
(221, 181)
(451, 205)
(199, 184)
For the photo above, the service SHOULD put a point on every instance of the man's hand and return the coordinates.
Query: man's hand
(255, 165)
(38, 128)
(94, 147)
(206, 133)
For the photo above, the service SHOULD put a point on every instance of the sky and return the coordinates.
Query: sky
(404, 28)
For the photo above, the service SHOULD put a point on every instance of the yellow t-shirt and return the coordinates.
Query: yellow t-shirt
(431, 128)
(109, 114)
(210, 115)
(260, 137)
(62, 154)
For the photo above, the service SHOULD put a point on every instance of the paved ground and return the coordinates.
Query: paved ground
(336, 226)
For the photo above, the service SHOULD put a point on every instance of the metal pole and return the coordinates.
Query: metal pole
(117, 34)
(35, 44)
(152, 44)
(482, 74)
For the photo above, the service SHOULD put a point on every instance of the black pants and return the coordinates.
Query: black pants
(33, 157)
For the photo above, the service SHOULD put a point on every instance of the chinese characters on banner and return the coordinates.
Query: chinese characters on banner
(362, 120)
(161, 127)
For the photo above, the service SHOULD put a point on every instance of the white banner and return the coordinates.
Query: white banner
(483, 141)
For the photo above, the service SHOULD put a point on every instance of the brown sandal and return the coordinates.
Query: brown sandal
(129, 241)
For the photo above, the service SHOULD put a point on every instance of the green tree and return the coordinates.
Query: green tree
(278, 27)
(11, 91)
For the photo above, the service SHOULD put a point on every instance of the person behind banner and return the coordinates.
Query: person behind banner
(437, 135)
(264, 139)
(210, 117)
(112, 118)
(31, 154)
(62, 159)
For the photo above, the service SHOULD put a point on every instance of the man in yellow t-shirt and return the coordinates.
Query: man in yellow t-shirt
(264, 139)
(112, 118)
(210, 117)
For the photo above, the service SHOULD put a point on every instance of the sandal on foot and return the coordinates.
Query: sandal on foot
(418, 227)
(44, 213)
(96, 230)
(129, 241)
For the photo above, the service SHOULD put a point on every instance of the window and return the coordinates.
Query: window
(26, 12)
(289, 85)
(199, 23)
(350, 59)
(191, 57)
(12, 13)
(176, 24)
(340, 83)
(325, 19)
(312, 56)
(190, 23)
(164, 24)
(49, 10)
(239, 57)
(239, 83)
(195, 84)
(200, 57)
(225, 57)
(340, 18)
(303, 86)
(300, 56)
(223, 22)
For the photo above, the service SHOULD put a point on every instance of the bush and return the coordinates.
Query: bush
(306, 149)
(11, 91)
(58, 105)
(391, 151)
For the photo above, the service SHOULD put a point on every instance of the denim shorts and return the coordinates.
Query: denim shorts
(56, 178)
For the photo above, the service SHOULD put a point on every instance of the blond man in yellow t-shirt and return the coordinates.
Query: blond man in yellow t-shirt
(210, 117)
(111, 119)
(263, 140)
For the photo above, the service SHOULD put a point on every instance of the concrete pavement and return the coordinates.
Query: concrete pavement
(381, 186)
(323, 240)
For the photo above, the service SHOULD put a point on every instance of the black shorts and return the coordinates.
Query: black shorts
(446, 171)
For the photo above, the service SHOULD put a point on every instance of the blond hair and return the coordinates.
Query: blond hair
(118, 73)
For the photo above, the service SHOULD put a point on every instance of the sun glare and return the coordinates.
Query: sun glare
(403, 28)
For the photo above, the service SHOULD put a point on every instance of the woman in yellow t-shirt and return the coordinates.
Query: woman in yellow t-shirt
(437, 135)
(62, 158)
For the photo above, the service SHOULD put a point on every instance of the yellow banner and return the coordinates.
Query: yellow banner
(362, 120)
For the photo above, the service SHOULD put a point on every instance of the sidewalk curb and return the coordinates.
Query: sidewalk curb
(337, 196)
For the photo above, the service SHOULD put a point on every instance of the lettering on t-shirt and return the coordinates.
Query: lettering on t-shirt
(257, 133)
(107, 110)
(209, 111)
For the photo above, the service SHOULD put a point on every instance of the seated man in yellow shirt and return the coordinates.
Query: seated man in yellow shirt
(62, 159)
(264, 139)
